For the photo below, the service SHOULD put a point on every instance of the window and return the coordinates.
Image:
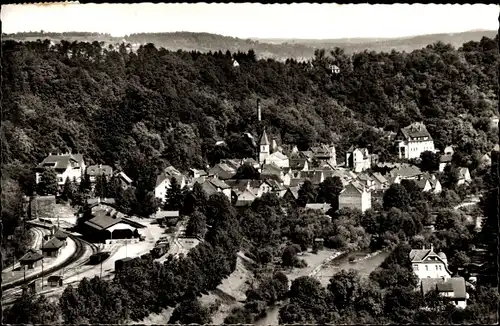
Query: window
(437, 267)
(427, 267)
(415, 267)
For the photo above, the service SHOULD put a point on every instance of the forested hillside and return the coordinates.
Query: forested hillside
(129, 109)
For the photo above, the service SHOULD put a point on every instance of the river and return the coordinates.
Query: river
(364, 267)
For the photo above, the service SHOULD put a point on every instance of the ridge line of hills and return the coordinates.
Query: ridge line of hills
(280, 49)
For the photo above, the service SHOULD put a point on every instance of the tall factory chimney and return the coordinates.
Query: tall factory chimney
(259, 116)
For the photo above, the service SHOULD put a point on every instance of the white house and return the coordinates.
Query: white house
(163, 184)
(433, 273)
(66, 165)
(358, 159)
(463, 176)
(413, 140)
(427, 264)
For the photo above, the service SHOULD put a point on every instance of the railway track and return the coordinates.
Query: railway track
(79, 252)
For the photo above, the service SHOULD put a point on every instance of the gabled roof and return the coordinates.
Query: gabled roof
(52, 244)
(296, 182)
(308, 154)
(416, 129)
(264, 140)
(60, 234)
(294, 191)
(218, 183)
(418, 255)
(162, 177)
(406, 171)
(271, 169)
(95, 170)
(125, 177)
(30, 256)
(60, 162)
(453, 284)
(379, 177)
(103, 221)
(297, 163)
(422, 183)
(200, 172)
(209, 188)
(279, 156)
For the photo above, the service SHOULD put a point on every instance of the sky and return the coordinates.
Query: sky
(249, 20)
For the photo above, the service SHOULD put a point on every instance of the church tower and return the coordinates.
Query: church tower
(264, 150)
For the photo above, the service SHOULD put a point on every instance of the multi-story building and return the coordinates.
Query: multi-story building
(66, 166)
(413, 140)
(355, 196)
(358, 159)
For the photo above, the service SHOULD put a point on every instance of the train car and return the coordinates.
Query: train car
(120, 263)
(99, 257)
(160, 250)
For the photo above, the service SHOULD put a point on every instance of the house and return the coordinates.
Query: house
(31, 259)
(291, 194)
(272, 171)
(279, 159)
(163, 182)
(444, 160)
(55, 281)
(220, 186)
(250, 161)
(380, 182)
(323, 154)
(124, 179)
(107, 224)
(223, 171)
(424, 185)
(428, 264)
(355, 196)
(413, 140)
(235, 63)
(366, 180)
(299, 164)
(94, 171)
(406, 172)
(463, 176)
(357, 159)
(61, 236)
(434, 182)
(66, 166)
(244, 198)
(195, 173)
(323, 207)
(52, 248)
(453, 288)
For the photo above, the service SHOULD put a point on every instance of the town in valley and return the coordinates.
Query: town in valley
(147, 185)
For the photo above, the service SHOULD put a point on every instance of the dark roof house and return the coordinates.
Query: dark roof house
(30, 256)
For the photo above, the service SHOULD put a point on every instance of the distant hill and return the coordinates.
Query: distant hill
(300, 49)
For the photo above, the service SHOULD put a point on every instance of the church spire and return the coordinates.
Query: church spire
(263, 139)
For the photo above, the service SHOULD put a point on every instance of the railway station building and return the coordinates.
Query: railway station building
(31, 259)
(106, 225)
(52, 248)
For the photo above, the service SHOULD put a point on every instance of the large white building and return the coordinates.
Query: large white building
(66, 166)
(355, 196)
(413, 141)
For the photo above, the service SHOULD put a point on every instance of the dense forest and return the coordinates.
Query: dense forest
(155, 106)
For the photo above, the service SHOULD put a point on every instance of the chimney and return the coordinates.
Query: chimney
(259, 112)
(432, 247)
(423, 247)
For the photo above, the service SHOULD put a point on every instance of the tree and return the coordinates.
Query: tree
(101, 186)
(307, 194)
(48, 182)
(246, 171)
(329, 191)
(85, 184)
(196, 199)
(68, 191)
(412, 189)
(344, 287)
(188, 312)
(174, 196)
(197, 225)
(289, 258)
(32, 310)
(396, 196)
(429, 161)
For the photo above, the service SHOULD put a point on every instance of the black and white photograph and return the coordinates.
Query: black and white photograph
(249, 163)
